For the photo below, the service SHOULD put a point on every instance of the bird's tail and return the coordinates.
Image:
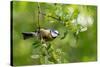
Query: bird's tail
(27, 35)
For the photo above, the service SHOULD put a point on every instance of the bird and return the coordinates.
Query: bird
(45, 34)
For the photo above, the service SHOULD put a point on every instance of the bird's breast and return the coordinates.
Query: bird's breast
(46, 34)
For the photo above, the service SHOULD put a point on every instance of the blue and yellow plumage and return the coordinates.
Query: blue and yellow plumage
(46, 34)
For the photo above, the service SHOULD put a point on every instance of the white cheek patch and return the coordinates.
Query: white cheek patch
(54, 34)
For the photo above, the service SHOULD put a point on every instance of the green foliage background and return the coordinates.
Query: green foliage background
(69, 49)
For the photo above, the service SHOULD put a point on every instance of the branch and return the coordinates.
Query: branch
(58, 19)
(38, 14)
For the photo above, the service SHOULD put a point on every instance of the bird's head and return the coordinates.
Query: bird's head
(54, 33)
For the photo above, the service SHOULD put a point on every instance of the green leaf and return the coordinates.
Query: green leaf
(75, 14)
(36, 44)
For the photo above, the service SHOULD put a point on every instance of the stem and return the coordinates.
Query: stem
(51, 16)
(38, 15)
(40, 36)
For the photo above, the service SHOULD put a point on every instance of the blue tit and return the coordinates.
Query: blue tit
(46, 34)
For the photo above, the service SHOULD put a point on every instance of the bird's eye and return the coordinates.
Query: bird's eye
(56, 32)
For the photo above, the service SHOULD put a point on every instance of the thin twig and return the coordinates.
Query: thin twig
(40, 36)
(38, 15)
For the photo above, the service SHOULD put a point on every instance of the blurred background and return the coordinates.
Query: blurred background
(25, 18)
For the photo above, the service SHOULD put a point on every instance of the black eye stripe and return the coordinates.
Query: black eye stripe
(56, 32)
